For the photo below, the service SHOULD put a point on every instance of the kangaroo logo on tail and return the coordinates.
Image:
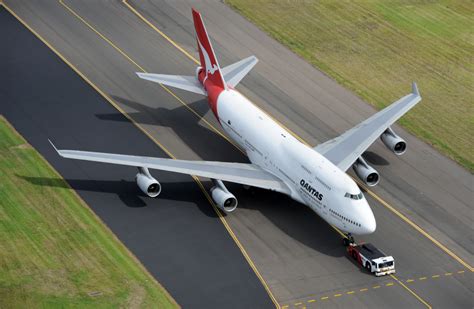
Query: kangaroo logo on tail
(207, 61)
(206, 54)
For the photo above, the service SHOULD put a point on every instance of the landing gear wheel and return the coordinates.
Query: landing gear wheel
(348, 240)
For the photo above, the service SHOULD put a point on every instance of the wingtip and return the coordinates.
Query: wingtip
(414, 89)
(53, 145)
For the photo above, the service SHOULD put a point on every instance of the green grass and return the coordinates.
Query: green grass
(54, 251)
(376, 48)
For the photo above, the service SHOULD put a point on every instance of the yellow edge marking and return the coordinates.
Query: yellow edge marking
(153, 139)
(324, 298)
(387, 284)
(146, 21)
(99, 34)
(297, 304)
(197, 62)
(201, 186)
(144, 71)
(461, 272)
(403, 217)
(105, 96)
(160, 32)
(284, 307)
(435, 276)
(241, 247)
(415, 226)
(411, 292)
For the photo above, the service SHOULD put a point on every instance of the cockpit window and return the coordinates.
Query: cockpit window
(354, 196)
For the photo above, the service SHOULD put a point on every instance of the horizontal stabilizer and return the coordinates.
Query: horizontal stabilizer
(188, 83)
(234, 73)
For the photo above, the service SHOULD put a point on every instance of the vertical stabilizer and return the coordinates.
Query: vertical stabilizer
(208, 59)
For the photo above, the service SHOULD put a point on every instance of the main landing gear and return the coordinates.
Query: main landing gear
(348, 239)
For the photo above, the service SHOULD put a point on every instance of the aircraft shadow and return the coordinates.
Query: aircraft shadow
(205, 142)
(294, 219)
(375, 159)
(128, 191)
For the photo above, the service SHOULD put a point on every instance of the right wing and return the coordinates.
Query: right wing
(344, 150)
(242, 173)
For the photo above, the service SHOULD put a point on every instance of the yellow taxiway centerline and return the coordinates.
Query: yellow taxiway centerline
(105, 96)
(393, 210)
(201, 186)
(221, 217)
(411, 292)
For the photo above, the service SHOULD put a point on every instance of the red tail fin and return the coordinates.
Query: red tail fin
(206, 53)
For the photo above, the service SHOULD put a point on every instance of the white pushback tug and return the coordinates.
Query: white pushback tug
(373, 259)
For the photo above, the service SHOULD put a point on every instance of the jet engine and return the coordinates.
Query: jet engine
(225, 200)
(393, 142)
(149, 185)
(366, 172)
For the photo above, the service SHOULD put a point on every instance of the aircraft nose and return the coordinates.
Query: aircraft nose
(369, 225)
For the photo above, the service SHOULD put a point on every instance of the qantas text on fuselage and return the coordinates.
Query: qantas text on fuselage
(315, 177)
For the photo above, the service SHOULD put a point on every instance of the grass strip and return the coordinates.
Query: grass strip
(54, 251)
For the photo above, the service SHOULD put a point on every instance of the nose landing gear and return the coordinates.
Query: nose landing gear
(348, 239)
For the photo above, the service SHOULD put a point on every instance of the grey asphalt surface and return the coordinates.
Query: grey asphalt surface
(299, 255)
(178, 237)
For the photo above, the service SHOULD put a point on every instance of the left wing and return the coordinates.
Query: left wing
(344, 150)
(247, 174)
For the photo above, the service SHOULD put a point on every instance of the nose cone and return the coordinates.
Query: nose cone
(369, 225)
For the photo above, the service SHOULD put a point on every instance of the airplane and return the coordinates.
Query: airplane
(315, 177)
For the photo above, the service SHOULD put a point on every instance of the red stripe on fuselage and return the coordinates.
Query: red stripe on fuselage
(213, 92)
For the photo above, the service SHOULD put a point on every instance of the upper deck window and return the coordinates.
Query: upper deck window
(354, 196)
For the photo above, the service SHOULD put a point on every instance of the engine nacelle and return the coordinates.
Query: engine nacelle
(393, 142)
(366, 173)
(149, 185)
(225, 200)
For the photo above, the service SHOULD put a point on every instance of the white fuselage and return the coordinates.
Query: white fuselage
(311, 178)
